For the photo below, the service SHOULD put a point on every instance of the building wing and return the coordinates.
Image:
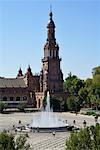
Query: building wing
(12, 82)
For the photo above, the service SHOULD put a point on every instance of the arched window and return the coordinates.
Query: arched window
(11, 98)
(24, 98)
(17, 98)
(4, 98)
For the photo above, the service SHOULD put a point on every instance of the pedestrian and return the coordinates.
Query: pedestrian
(53, 133)
(96, 118)
(74, 121)
(37, 129)
(19, 121)
(84, 123)
(13, 126)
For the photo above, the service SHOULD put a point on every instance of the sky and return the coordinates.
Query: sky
(23, 34)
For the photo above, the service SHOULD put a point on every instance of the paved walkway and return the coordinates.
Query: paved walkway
(45, 141)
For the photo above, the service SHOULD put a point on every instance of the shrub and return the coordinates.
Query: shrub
(91, 113)
(87, 139)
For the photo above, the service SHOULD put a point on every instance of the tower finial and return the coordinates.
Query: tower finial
(50, 8)
(20, 72)
(50, 14)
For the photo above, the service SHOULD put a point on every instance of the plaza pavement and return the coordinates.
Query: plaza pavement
(45, 141)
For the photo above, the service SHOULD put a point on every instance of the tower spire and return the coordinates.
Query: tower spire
(51, 48)
(50, 14)
(51, 28)
(51, 77)
(50, 8)
(20, 72)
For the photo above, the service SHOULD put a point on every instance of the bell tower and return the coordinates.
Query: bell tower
(51, 77)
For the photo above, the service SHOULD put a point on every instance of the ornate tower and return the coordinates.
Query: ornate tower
(20, 74)
(51, 77)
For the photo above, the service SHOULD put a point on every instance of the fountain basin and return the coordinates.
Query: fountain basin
(48, 121)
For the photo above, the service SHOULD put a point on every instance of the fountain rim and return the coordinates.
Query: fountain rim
(48, 127)
(51, 129)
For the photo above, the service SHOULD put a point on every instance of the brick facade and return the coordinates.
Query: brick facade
(34, 87)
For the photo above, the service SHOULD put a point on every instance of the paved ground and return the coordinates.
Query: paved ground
(45, 141)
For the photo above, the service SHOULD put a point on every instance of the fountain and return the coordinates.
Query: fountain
(47, 119)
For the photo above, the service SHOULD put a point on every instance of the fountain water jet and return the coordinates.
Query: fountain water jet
(47, 119)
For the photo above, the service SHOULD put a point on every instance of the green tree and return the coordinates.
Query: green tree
(96, 71)
(96, 80)
(20, 143)
(2, 106)
(88, 83)
(87, 91)
(95, 89)
(55, 103)
(9, 142)
(72, 85)
(84, 92)
(72, 143)
(87, 139)
(73, 103)
(94, 95)
(22, 107)
(91, 91)
(70, 103)
(68, 83)
(95, 134)
(6, 141)
(83, 96)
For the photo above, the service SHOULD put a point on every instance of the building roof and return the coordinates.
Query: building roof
(12, 82)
